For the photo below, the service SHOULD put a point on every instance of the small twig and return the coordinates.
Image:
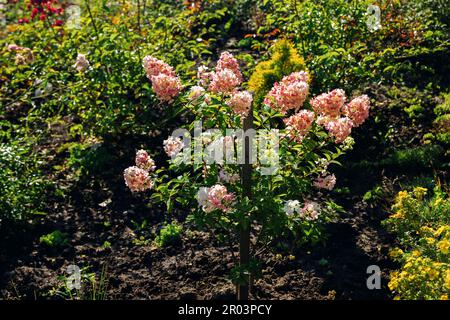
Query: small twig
(139, 16)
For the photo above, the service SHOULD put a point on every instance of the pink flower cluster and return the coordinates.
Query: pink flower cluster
(215, 198)
(289, 93)
(340, 128)
(14, 47)
(172, 146)
(165, 83)
(325, 182)
(144, 161)
(227, 61)
(329, 105)
(154, 67)
(336, 116)
(299, 124)
(166, 87)
(227, 75)
(310, 211)
(240, 102)
(300, 76)
(223, 81)
(137, 178)
(358, 110)
(196, 92)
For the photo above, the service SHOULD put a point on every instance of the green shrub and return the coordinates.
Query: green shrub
(22, 186)
(444, 107)
(55, 239)
(374, 195)
(442, 121)
(168, 235)
(88, 158)
(415, 111)
(113, 95)
(426, 156)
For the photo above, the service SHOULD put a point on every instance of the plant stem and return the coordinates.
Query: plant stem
(92, 18)
(244, 245)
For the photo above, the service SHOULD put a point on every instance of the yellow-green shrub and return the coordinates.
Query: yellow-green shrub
(284, 60)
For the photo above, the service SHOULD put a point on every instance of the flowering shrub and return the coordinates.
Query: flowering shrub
(234, 196)
(424, 231)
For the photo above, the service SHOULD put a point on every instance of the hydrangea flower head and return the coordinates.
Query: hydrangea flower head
(292, 207)
(137, 179)
(154, 67)
(329, 104)
(166, 87)
(173, 146)
(340, 129)
(220, 198)
(215, 198)
(299, 124)
(300, 76)
(310, 210)
(144, 161)
(289, 93)
(196, 92)
(226, 77)
(14, 47)
(240, 102)
(325, 182)
(358, 110)
(224, 81)
(228, 61)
